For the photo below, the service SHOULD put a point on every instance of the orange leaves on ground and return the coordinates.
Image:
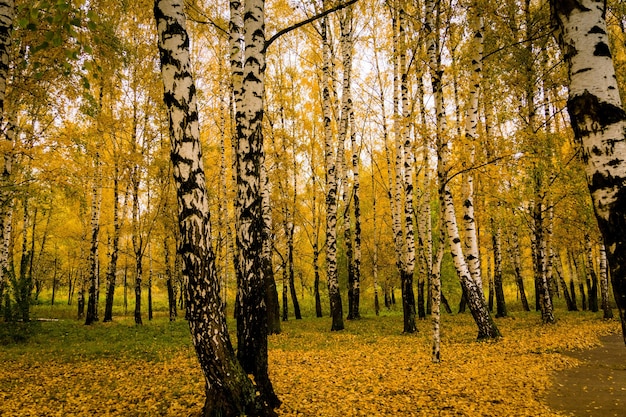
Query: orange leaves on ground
(369, 369)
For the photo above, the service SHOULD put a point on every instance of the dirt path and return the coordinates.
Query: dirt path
(596, 388)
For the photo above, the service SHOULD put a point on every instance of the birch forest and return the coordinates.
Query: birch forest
(274, 161)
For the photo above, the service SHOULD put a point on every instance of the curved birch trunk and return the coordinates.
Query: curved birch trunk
(229, 391)
(475, 299)
(599, 124)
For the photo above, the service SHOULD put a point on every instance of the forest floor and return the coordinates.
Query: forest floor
(64, 368)
(597, 386)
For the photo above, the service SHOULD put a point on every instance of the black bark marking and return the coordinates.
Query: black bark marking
(602, 49)
(597, 29)
(588, 106)
(566, 7)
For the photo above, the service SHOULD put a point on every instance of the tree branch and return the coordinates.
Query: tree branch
(307, 21)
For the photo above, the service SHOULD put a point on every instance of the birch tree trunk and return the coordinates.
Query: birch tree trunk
(558, 266)
(540, 259)
(229, 391)
(591, 276)
(599, 123)
(435, 283)
(315, 237)
(475, 299)
(252, 328)
(6, 206)
(604, 285)
(271, 293)
(408, 294)
(471, 135)
(112, 270)
(516, 259)
(336, 308)
(92, 302)
(7, 14)
(497, 270)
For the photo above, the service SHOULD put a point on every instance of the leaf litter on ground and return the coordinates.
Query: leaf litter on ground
(369, 369)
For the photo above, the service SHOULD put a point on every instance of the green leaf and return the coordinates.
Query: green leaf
(22, 22)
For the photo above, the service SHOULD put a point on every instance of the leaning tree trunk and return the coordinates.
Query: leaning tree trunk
(475, 299)
(229, 391)
(599, 124)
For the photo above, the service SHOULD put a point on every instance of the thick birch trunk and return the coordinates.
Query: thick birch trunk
(599, 124)
(229, 391)
(252, 318)
(336, 308)
(6, 205)
(7, 15)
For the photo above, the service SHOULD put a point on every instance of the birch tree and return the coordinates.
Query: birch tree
(7, 14)
(336, 307)
(252, 328)
(229, 391)
(475, 299)
(599, 123)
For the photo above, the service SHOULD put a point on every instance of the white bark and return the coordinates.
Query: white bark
(471, 134)
(599, 123)
(336, 309)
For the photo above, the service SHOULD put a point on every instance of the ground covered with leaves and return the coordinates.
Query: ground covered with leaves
(64, 368)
